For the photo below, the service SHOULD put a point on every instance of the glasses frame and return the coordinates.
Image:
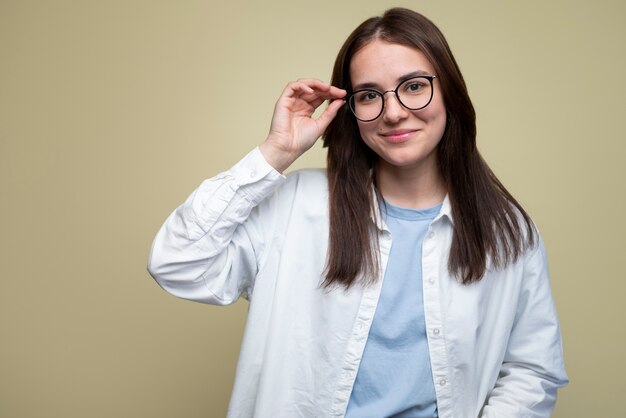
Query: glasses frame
(430, 79)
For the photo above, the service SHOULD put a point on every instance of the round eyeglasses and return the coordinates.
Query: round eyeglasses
(414, 93)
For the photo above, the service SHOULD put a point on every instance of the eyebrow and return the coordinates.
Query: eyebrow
(400, 79)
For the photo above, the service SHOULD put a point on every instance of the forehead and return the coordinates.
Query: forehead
(382, 62)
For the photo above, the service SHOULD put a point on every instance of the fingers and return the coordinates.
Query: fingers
(328, 91)
(337, 93)
(312, 90)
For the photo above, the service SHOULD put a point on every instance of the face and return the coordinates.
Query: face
(403, 139)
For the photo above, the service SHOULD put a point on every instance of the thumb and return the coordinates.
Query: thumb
(329, 114)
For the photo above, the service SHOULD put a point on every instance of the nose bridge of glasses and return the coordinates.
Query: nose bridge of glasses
(395, 95)
(394, 91)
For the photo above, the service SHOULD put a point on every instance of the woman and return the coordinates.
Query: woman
(404, 280)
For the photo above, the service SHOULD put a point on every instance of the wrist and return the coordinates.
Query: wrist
(278, 158)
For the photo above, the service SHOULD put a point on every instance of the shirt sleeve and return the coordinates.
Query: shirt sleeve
(532, 369)
(208, 249)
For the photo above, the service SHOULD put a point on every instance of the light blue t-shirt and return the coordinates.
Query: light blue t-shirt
(395, 378)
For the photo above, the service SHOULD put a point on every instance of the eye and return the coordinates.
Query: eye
(367, 96)
(414, 86)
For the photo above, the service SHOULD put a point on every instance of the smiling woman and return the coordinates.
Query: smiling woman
(404, 139)
(402, 281)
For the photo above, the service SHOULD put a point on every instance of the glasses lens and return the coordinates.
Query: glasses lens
(415, 93)
(366, 104)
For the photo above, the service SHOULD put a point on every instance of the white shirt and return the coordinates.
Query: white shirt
(495, 345)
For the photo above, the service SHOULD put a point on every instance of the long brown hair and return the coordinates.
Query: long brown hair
(488, 223)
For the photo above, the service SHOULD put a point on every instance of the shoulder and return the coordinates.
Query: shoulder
(309, 180)
(517, 234)
(309, 175)
(302, 191)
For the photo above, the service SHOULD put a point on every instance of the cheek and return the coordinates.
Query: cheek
(437, 118)
(366, 130)
(443, 121)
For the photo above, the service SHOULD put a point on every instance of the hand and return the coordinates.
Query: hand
(293, 130)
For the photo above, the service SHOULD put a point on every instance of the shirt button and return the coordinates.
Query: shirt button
(436, 331)
(252, 173)
(431, 280)
(431, 235)
(442, 382)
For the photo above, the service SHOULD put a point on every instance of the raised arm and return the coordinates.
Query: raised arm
(210, 248)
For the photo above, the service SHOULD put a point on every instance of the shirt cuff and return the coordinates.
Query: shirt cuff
(253, 168)
(255, 176)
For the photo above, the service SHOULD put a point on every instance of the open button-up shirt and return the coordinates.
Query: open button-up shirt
(495, 345)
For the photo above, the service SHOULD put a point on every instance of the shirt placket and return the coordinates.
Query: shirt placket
(360, 332)
(431, 259)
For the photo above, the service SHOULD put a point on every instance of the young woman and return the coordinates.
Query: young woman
(404, 280)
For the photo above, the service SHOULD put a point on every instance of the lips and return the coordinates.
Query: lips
(398, 135)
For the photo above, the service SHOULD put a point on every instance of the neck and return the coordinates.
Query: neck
(415, 187)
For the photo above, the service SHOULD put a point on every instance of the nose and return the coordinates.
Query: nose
(393, 111)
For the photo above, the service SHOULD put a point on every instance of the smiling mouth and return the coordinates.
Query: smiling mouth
(399, 135)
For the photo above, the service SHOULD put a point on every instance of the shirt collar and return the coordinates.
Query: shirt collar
(376, 215)
(446, 210)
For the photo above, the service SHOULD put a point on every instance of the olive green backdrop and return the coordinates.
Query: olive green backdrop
(111, 112)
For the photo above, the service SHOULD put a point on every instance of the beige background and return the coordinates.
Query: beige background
(111, 112)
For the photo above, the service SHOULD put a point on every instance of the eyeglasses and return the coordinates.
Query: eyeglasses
(414, 93)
